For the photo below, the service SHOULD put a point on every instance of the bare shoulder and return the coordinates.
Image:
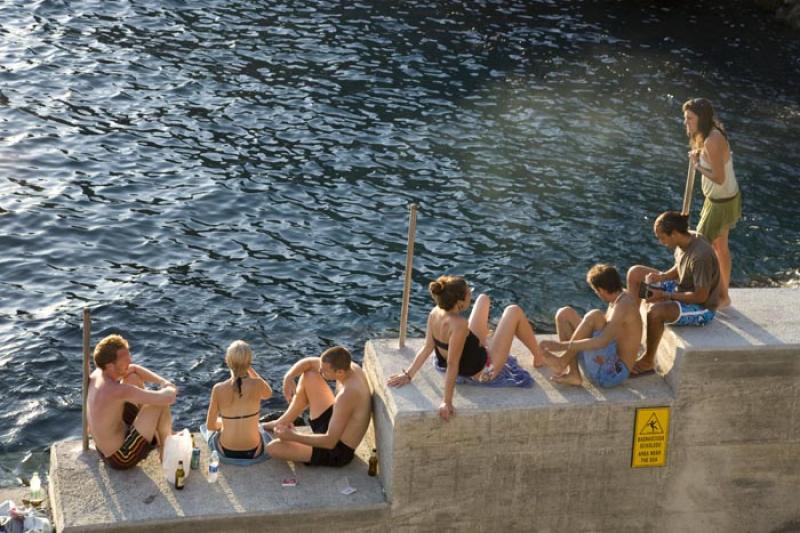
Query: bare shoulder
(628, 305)
(715, 141)
(456, 323)
(357, 387)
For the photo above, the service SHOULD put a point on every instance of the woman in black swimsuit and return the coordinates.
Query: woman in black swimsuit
(236, 403)
(465, 347)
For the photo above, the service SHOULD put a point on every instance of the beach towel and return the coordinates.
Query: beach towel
(212, 440)
(512, 375)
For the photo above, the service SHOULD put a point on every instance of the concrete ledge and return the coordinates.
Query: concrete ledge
(88, 496)
(556, 458)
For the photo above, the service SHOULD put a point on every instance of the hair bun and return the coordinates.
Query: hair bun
(436, 287)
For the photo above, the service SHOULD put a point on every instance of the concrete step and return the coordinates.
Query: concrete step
(86, 495)
(559, 458)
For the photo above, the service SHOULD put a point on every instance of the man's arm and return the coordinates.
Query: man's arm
(136, 395)
(148, 376)
(672, 273)
(343, 408)
(607, 334)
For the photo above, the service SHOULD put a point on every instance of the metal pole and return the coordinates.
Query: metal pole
(412, 230)
(87, 333)
(688, 191)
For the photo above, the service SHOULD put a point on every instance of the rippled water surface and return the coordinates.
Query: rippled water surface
(197, 172)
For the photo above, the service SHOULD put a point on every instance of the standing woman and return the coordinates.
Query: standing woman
(464, 347)
(235, 406)
(711, 154)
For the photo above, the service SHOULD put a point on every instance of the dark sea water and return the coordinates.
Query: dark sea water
(198, 172)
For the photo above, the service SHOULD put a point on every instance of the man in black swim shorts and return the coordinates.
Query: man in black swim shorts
(338, 421)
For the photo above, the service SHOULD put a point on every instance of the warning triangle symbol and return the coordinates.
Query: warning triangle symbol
(652, 427)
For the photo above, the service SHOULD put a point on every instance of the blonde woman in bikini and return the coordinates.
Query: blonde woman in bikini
(711, 155)
(463, 346)
(236, 404)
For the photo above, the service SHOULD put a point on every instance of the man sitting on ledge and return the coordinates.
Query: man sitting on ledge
(125, 420)
(685, 295)
(339, 423)
(604, 344)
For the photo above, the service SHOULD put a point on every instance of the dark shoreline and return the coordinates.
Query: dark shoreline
(787, 11)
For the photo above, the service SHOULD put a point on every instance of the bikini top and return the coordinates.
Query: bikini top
(239, 417)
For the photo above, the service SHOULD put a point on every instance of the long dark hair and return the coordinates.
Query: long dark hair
(706, 120)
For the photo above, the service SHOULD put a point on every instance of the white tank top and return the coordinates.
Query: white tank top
(729, 187)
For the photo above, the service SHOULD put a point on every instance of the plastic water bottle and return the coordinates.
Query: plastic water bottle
(213, 467)
(36, 488)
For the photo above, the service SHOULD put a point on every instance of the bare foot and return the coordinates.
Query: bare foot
(552, 361)
(539, 359)
(568, 379)
(643, 365)
(724, 302)
(562, 373)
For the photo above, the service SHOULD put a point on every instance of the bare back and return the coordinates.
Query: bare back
(353, 394)
(239, 414)
(625, 313)
(104, 405)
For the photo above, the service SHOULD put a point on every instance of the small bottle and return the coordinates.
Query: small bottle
(373, 463)
(180, 476)
(36, 487)
(213, 467)
(195, 464)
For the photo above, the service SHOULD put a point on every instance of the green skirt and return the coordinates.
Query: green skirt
(718, 215)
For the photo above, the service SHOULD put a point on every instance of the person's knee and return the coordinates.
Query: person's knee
(661, 313)
(636, 273)
(564, 313)
(513, 310)
(594, 315)
(308, 380)
(483, 299)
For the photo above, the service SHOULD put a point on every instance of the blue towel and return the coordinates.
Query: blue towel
(212, 439)
(512, 375)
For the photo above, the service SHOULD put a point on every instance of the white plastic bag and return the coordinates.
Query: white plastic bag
(178, 447)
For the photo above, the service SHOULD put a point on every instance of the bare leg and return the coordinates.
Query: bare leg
(720, 246)
(479, 318)
(567, 320)
(134, 380)
(154, 421)
(312, 392)
(658, 315)
(593, 321)
(513, 323)
(636, 275)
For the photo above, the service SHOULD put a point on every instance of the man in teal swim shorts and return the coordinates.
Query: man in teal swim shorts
(604, 345)
(685, 295)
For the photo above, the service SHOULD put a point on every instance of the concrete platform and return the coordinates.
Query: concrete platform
(551, 458)
(88, 496)
(557, 458)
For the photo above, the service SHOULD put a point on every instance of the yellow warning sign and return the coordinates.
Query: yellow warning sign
(650, 435)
